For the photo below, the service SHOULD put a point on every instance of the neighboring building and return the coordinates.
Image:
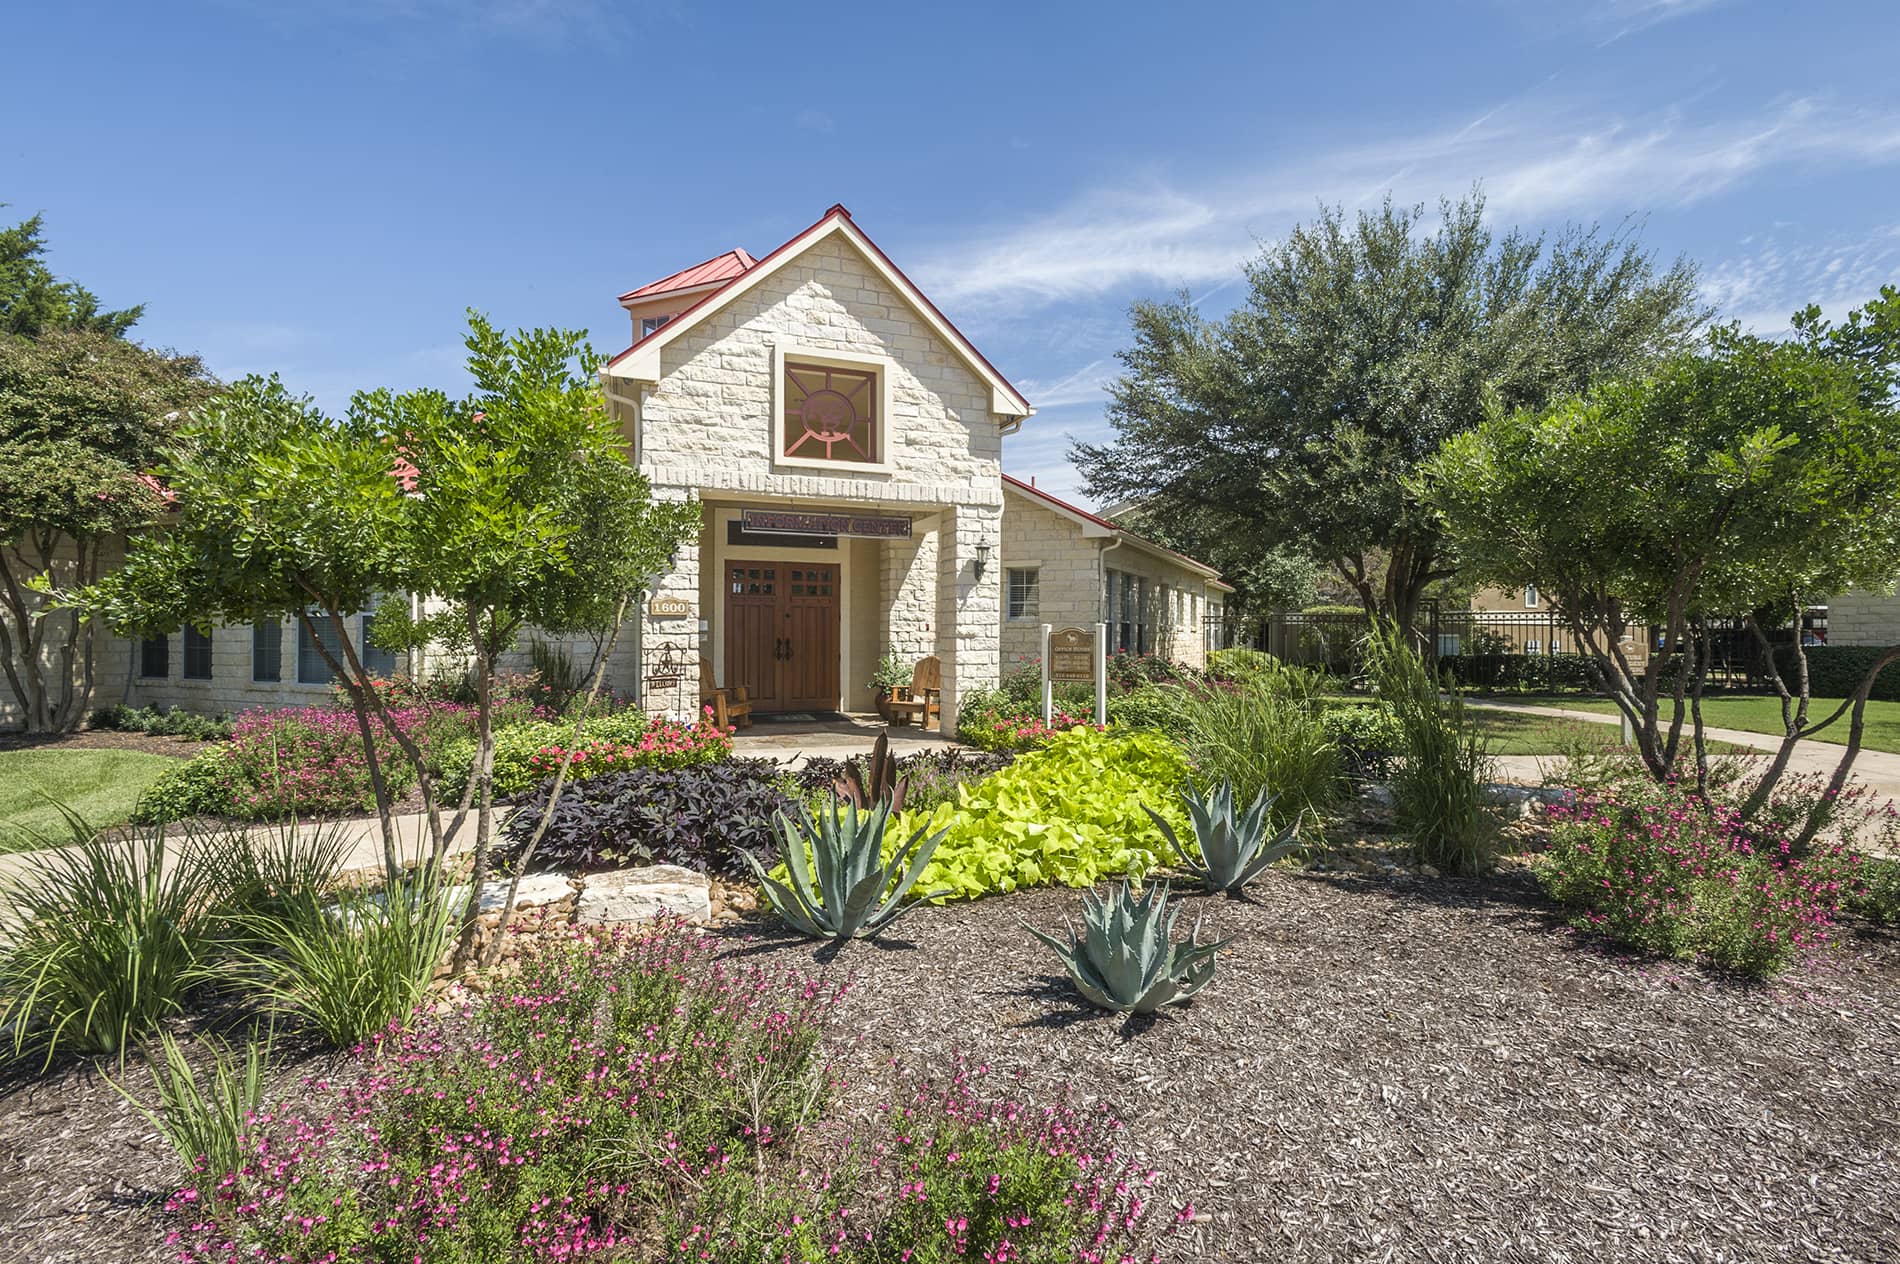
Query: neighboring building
(1864, 618)
(1065, 566)
(1521, 621)
(844, 442)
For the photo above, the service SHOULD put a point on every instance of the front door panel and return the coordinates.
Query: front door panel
(752, 631)
(782, 637)
(808, 676)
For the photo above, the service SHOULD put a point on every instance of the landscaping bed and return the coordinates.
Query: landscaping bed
(1398, 1069)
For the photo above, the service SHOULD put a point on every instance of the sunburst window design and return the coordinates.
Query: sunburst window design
(831, 414)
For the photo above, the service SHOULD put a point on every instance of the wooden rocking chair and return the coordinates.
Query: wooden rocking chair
(924, 698)
(732, 708)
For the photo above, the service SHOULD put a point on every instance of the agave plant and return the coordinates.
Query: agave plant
(839, 885)
(1126, 959)
(1233, 849)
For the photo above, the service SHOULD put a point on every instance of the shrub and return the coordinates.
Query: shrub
(199, 786)
(1835, 671)
(629, 1097)
(355, 967)
(100, 940)
(1262, 734)
(1160, 709)
(175, 722)
(309, 761)
(1438, 786)
(1368, 735)
(701, 816)
(532, 753)
(1239, 661)
(1070, 814)
(1877, 896)
(1668, 873)
(1566, 673)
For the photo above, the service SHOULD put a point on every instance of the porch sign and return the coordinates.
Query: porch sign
(802, 522)
(1079, 655)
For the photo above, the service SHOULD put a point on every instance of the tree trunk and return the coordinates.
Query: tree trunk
(1823, 809)
(347, 673)
(483, 777)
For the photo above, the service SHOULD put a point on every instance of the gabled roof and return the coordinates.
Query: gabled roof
(714, 271)
(1101, 528)
(641, 361)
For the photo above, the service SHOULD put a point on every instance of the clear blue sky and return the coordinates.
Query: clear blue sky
(320, 188)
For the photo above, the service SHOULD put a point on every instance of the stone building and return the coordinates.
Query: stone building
(845, 444)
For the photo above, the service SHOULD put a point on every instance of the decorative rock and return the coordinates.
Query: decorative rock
(536, 888)
(1428, 871)
(640, 895)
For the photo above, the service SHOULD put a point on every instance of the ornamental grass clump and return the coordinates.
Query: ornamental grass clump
(1125, 957)
(205, 1118)
(355, 966)
(100, 940)
(1666, 872)
(1262, 733)
(1231, 848)
(1438, 798)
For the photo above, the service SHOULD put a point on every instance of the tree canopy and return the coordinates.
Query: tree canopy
(33, 300)
(1748, 474)
(1297, 421)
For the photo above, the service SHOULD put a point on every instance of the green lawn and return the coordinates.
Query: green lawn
(1755, 714)
(101, 785)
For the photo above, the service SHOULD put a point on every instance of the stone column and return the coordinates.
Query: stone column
(908, 589)
(681, 632)
(969, 617)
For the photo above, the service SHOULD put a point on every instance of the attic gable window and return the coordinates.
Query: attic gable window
(831, 414)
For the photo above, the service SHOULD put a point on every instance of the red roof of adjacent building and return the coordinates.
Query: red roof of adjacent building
(714, 271)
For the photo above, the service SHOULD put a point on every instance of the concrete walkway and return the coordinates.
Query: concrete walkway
(1878, 770)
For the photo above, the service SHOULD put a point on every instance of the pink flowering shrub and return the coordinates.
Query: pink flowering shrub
(1666, 872)
(630, 1097)
(311, 760)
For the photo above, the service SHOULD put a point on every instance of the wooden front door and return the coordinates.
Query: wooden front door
(782, 633)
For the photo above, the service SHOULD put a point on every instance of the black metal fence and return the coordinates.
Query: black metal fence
(1516, 649)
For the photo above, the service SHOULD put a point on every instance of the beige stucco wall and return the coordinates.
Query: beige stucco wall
(1864, 618)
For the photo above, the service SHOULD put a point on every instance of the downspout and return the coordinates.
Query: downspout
(1101, 578)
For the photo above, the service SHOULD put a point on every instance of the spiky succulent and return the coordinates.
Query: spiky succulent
(838, 885)
(1232, 848)
(1125, 958)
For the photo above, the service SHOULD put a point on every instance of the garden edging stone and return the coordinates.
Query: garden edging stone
(642, 894)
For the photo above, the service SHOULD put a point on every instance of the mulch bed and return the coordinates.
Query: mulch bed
(102, 739)
(1384, 1069)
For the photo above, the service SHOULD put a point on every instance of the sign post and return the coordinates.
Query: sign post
(1048, 688)
(1068, 654)
(1101, 674)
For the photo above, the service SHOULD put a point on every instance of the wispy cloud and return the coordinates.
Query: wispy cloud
(1632, 16)
(1533, 164)
(1086, 385)
(1772, 276)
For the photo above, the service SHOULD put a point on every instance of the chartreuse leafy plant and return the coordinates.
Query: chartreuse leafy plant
(1231, 848)
(838, 885)
(1126, 959)
(1070, 814)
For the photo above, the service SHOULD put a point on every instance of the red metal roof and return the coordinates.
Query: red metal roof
(714, 271)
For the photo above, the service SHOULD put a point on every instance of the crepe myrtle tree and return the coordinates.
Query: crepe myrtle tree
(1749, 477)
(526, 511)
(277, 510)
(1362, 345)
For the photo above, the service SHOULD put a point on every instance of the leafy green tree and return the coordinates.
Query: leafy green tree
(82, 418)
(279, 512)
(1750, 475)
(1298, 419)
(526, 512)
(33, 300)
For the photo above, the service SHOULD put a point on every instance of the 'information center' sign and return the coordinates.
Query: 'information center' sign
(803, 522)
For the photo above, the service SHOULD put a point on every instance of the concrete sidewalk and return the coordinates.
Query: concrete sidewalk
(1878, 770)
